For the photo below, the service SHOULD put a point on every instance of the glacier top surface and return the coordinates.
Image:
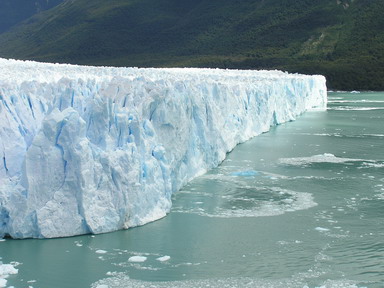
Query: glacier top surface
(19, 71)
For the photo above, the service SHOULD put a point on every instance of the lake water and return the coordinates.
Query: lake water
(300, 206)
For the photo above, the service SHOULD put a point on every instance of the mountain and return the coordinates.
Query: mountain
(14, 11)
(341, 39)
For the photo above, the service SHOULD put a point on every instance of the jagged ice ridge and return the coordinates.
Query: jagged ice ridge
(98, 149)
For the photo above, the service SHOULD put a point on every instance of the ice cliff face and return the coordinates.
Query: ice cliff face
(93, 150)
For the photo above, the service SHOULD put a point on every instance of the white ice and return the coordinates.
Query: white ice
(5, 271)
(321, 229)
(98, 149)
(298, 280)
(163, 258)
(321, 158)
(137, 259)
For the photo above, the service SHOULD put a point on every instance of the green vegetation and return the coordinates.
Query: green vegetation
(14, 11)
(341, 39)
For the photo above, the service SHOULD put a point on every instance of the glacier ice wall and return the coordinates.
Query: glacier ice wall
(93, 150)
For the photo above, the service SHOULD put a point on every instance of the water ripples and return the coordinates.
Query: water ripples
(235, 197)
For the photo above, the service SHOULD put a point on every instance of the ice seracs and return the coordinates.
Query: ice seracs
(93, 150)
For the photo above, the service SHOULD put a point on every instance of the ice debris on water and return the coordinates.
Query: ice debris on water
(163, 258)
(123, 281)
(137, 259)
(321, 229)
(97, 149)
(247, 173)
(5, 271)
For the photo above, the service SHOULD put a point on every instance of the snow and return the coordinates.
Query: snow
(98, 149)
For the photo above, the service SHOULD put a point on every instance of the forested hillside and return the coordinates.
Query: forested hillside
(13, 12)
(344, 40)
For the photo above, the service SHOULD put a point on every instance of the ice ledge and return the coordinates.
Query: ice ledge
(92, 150)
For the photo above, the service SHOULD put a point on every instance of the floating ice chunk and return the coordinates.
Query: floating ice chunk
(113, 273)
(355, 108)
(5, 271)
(246, 173)
(102, 286)
(321, 229)
(137, 259)
(124, 281)
(100, 251)
(163, 258)
(321, 158)
(373, 165)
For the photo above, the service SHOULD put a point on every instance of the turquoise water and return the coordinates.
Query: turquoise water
(300, 206)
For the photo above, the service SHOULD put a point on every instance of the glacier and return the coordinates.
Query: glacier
(97, 149)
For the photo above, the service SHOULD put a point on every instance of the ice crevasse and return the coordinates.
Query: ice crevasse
(98, 149)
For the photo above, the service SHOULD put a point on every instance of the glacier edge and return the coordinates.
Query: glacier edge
(98, 149)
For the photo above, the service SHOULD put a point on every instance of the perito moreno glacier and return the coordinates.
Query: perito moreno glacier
(98, 149)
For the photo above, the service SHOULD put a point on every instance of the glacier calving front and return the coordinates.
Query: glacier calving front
(93, 150)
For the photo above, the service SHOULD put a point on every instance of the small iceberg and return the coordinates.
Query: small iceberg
(137, 259)
(247, 173)
(163, 258)
(321, 229)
